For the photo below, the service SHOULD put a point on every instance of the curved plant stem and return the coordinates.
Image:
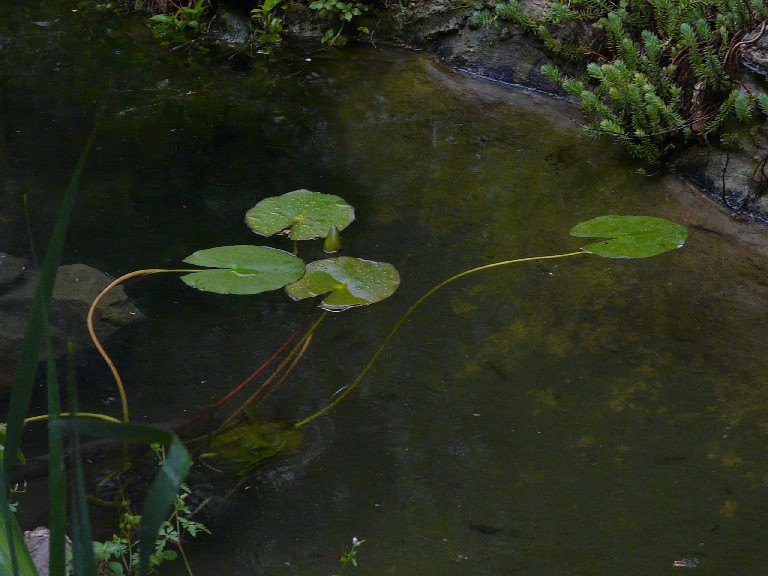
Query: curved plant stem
(296, 354)
(92, 332)
(408, 312)
(209, 410)
(92, 415)
(284, 370)
(269, 391)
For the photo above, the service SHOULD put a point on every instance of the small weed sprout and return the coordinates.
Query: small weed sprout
(350, 556)
(119, 556)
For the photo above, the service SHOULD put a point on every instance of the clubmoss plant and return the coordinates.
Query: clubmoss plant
(658, 72)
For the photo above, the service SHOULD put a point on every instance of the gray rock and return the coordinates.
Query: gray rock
(38, 543)
(76, 286)
(12, 269)
(755, 56)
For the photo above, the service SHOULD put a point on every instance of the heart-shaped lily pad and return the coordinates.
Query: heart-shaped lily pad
(243, 269)
(347, 282)
(301, 214)
(631, 236)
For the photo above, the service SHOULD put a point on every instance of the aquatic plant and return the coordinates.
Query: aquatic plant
(333, 284)
(350, 556)
(338, 284)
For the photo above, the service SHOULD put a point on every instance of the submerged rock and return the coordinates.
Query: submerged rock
(232, 24)
(76, 286)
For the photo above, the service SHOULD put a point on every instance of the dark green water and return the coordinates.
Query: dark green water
(575, 417)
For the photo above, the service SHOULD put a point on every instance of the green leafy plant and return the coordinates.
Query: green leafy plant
(512, 11)
(268, 24)
(484, 18)
(342, 12)
(180, 26)
(658, 73)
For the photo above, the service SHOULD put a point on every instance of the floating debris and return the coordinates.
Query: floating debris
(689, 562)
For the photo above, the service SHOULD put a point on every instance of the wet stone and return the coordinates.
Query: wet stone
(76, 286)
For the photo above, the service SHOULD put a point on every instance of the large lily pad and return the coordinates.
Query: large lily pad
(631, 236)
(301, 214)
(347, 282)
(243, 269)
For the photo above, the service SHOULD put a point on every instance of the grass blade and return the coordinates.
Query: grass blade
(57, 507)
(83, 561)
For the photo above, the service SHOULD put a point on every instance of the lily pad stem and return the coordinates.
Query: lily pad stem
(92, 332)
(285, 367)
(410, 310)
(92, 415)
(269, 361)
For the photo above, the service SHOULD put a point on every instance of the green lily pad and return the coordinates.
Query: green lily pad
(347, 282)
(251, 442)
(243, 269)
(301, 214)
(631, 236)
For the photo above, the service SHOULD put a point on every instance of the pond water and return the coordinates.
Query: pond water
(580, 416)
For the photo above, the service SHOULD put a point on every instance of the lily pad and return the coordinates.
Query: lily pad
(243, 269)
(347, 282)
(301, 214)
(631, 236)
(251, 442)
